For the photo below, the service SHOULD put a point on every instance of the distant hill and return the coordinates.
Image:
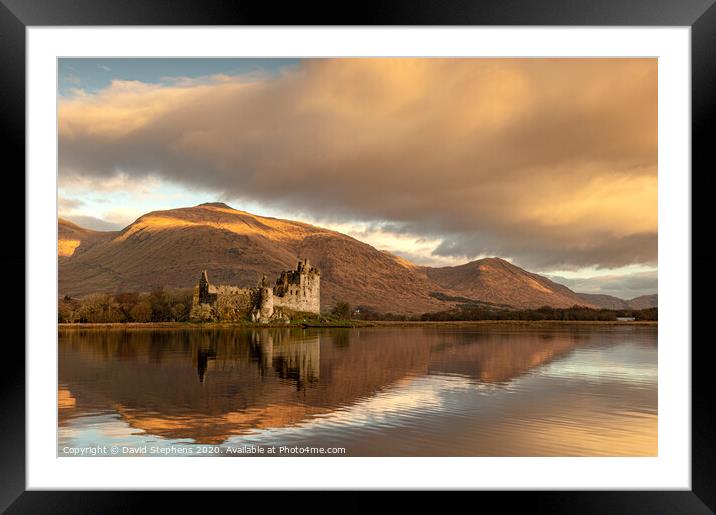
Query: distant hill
(611, 302)
(498, 281)
(644, 302)
(72, 238)
(170, 248)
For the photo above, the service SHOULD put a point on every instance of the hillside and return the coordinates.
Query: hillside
(644, 302)
(170, 248)
(71, 238)
(611, 302)
(498, 281)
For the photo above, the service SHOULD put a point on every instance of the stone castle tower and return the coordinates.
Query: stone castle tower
(204, 288)
(300, 289)
(296, 290)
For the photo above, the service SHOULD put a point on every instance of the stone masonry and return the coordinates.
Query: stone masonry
(296, 290)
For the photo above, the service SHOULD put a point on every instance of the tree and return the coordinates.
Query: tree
(342, 310)
(67, 310)
(202, 313)
(141, 311)
(99, 308)
(161, 310)
(179, 312)
(126, 301)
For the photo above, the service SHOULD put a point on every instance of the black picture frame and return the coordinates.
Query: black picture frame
(700, 15)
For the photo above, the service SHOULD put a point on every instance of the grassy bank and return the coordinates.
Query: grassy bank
(210, 325)
(525, 323)
(353, 324)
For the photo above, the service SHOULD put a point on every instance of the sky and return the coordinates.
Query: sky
(549, 163)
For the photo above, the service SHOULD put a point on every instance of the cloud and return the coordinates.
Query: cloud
(556, 249)
(122, 217)
(96, 224)
(119, 182)
(68, 204)
(71, 78)
(625, 286)
(416, 249)
(552, 162)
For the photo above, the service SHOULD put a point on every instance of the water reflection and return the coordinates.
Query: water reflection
(383, 391)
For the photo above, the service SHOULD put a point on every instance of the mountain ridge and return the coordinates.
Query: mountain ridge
(170, 247)
(612, 302)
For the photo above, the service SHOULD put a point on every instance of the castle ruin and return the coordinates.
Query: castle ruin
(295, 291)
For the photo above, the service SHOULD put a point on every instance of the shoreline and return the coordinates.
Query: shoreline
(356, 324)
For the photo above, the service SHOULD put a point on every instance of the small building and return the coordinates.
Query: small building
(626, 319)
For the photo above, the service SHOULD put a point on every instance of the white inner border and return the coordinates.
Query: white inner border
(671, 469)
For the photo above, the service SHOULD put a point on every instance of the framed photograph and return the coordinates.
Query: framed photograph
(420, 249)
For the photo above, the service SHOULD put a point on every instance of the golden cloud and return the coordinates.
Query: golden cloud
(549, 161)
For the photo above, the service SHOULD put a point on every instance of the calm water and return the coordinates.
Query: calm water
(445, 391)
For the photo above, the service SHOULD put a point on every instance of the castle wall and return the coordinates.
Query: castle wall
(306, 298)
(234, 304)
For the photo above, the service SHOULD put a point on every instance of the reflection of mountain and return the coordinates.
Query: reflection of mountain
(208, 385)
(498, 358)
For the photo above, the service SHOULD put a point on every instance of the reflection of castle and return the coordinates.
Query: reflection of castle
(202, 361)
(295, 290)
(297, 360)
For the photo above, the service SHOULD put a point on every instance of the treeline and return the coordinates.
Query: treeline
(174, 305)
(160, 305)
(575, 313)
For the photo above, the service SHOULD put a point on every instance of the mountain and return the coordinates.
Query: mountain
(644, 302)
(611, 302)
(71, 238)
(500, 282)
(170, 248)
